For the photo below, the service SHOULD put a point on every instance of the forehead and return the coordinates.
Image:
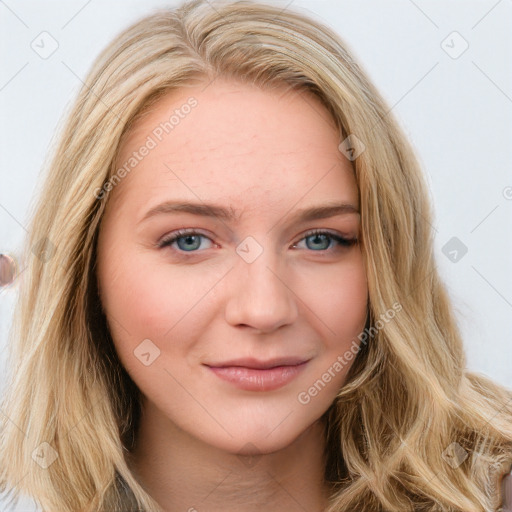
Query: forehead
(231, 140)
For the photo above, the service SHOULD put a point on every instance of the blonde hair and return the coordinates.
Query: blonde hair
(408, 400)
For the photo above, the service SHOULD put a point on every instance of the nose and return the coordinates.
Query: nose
(259, 296)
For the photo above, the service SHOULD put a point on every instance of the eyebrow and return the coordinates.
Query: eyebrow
(212, 210)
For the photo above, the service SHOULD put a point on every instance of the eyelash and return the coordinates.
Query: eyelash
(182, 233)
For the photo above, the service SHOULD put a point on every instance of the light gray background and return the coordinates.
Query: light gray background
(456, 110)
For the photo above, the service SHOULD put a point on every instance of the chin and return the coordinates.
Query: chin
(254, 444)
(252, 440)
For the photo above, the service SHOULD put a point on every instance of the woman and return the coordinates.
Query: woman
(183, 343)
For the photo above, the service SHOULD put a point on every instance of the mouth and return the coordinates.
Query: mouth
(257, 375)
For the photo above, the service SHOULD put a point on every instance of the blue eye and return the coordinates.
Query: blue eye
(190, 241)
(321, 240)
(187, 241)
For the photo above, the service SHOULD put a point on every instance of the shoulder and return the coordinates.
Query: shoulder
(506, 488)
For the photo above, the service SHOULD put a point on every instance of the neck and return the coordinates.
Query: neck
(184, 474)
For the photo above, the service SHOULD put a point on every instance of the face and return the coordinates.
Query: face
(231, 296)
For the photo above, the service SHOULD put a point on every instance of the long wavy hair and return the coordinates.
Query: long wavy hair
(410, 430)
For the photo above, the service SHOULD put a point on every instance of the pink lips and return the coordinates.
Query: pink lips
(254, 375)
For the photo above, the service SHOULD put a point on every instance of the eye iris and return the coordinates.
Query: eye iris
(316, 237)
(189, 239)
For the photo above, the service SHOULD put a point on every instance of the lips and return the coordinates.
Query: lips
(257, 375)
(258, 364)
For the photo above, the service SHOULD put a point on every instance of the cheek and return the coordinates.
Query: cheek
(136, 301)
(349, 300)
(151, 302)
(338, 296)
(138, 296)
(340, 308)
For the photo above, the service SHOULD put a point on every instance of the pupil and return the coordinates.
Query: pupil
(318, 239)
(189, 239)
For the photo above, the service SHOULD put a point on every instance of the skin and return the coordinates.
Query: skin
(204, 444)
